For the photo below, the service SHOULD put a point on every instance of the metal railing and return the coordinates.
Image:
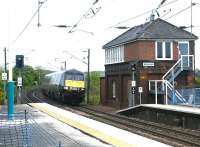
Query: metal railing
(165, 87)
(186, 62)
(157, 87)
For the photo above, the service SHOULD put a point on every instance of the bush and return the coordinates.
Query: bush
(1, 97)
(94, 87)
(197, 82)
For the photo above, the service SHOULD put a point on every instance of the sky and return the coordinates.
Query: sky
(48, 46)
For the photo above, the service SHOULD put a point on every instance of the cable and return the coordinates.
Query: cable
(75, 57)
(28, 23)
(84, 16)
(146, 12)
(180, 11)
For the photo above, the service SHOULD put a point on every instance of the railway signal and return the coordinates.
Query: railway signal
(19, 61)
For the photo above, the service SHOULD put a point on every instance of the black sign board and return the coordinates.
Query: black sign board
(133, 90)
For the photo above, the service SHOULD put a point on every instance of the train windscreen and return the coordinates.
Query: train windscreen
(76, 77)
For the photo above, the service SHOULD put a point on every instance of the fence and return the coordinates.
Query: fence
(23, 131)
(192, 95)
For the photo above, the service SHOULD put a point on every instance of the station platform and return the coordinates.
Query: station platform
(183, 116)
(106, 133)
(177, 108)
(38, 129)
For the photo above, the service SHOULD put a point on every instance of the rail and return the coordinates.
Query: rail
(170, 135)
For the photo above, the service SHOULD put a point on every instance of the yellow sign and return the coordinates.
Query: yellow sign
(72, 83)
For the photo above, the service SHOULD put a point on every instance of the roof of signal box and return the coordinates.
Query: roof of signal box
(152, 30)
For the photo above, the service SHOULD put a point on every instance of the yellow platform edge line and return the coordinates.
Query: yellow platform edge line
(93, 132)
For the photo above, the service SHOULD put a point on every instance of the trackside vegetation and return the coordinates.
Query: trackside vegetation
(33, 77)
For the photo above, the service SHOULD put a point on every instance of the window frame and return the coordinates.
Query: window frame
(164, 50)
(188, 45)
(114, 55)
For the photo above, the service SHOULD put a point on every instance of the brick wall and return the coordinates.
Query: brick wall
(145, 50)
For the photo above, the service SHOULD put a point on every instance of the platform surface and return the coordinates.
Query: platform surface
(107, 133)
(179, 108)
(41, 131)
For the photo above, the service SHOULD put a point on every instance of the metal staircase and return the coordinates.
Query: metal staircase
(166, 85)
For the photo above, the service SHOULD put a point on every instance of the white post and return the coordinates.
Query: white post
(149, 85)
(181, 62)
(166, 93)
(156, 92)
(193, 62)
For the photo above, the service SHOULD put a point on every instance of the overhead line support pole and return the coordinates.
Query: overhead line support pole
(5, 72)
(88, 80)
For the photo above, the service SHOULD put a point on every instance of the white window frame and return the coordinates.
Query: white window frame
(114, 55)
(163, 50)
(187, 42)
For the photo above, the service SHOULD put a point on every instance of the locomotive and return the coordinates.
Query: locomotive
(66, 86)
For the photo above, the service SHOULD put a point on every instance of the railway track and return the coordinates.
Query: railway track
(30, 97)
(170, 135)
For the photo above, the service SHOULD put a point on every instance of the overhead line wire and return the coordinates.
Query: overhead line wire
(83, 16)
(28, 23)
(75, 57)
(180, 11)
(134, 17)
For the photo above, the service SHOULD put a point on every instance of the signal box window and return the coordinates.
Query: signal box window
(164, 51)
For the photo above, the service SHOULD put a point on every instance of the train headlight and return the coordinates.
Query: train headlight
(66, 88)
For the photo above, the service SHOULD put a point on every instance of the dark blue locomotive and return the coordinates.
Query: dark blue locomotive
(66, 86)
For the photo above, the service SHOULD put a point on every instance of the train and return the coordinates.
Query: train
(65, 86)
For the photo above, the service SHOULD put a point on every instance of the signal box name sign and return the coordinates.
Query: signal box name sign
(148, 64)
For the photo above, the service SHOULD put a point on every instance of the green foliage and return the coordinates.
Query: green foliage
(1, 89)
(197, 72)
(197, 78)
(94, 87)
(30, 76)
(197, 82)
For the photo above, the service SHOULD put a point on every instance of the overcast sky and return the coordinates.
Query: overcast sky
(49, 42)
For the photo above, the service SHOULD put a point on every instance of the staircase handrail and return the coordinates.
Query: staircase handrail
(171, 69)
(188, 59)
(180, 60)
(180, 97)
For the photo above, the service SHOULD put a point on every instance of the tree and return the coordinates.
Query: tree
(197, 78)
(1, 89)
(28, 74)
(94, 87)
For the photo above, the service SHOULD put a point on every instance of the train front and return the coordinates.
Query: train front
(74, 87)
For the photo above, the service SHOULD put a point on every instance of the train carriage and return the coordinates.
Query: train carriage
(66, 86)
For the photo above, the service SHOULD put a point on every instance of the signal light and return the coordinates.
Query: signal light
(19, 61)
